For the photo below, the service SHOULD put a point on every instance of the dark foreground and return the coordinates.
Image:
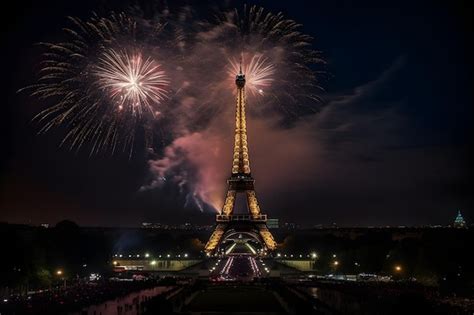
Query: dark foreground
(49, 271)
(258, 296)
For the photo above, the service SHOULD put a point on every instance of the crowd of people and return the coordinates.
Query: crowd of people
(74, 297)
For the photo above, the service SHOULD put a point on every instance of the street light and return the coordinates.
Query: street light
(398, 268)
(336, 263)
(59, 272)
(314, 255)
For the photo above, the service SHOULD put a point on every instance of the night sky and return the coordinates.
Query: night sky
(390, 145)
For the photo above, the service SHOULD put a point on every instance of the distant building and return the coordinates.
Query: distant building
(459, 221)
(291, 226)
(44, 225)
(273, 223)
(150, 225)
(185, 226)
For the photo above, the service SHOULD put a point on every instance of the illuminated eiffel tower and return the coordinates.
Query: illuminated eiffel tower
(241, 181)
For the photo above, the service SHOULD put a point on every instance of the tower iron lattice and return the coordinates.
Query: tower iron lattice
(240, 181)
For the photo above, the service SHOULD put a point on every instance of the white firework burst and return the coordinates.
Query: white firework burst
(258, 72)
(133, 83)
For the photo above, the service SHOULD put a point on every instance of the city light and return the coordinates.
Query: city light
(153, 262)
(59, 272)
(398, 268)
(185, 255)
(115, 263)
(314, 255)
(147, 255)
(336, 263)
(94, 277)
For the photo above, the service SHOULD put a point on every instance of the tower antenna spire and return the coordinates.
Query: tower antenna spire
(240, 66)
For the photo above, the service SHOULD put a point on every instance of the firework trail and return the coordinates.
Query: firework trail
(102, 96)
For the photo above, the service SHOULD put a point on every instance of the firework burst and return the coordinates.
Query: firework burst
(278, 57)
(258, 73)
(133, 83)
(102, 97)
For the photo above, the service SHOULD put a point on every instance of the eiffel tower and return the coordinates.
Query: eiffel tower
(240, 181)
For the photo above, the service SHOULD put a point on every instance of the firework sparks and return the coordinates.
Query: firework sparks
(258, 73)
(134, 84)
